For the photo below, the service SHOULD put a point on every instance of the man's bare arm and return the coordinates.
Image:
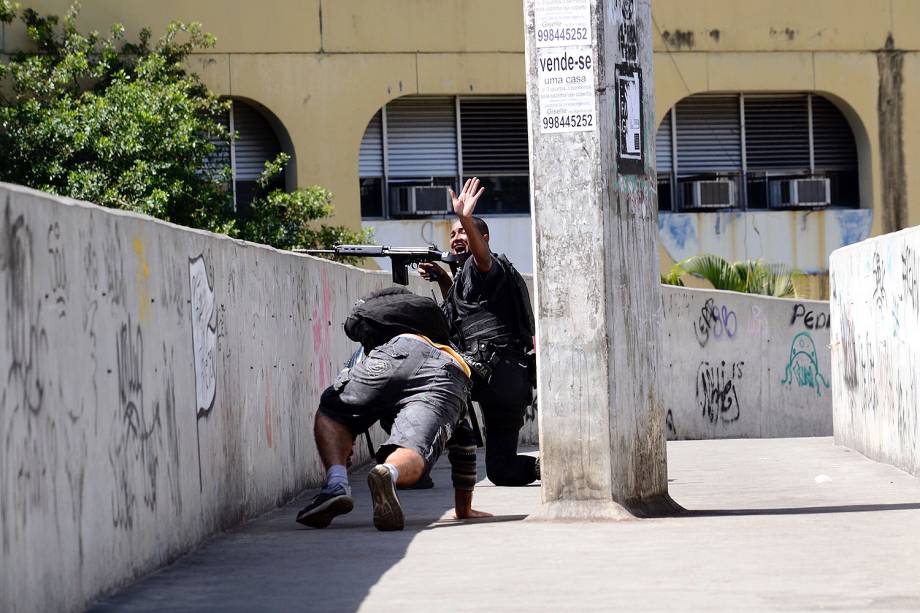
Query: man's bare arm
(463, 505)
(434, 272)
(464, 205)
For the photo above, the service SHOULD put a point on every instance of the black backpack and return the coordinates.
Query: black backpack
(391, 311)
(525, 322)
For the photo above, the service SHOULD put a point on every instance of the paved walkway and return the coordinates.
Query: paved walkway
(782, 524)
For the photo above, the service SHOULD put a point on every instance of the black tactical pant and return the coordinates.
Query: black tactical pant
(503, 402)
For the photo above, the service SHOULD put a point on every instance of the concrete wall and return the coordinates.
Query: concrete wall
(875, 306)
(159, 384)
(742, 366)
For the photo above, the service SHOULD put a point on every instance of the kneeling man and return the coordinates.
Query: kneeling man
(417, 388)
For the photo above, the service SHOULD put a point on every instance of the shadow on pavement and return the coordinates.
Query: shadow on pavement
(848, 508)
(275, 564)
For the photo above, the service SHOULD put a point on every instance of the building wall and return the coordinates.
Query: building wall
(324, 67)
(875, 307)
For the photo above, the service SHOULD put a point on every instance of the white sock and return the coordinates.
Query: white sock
(335, 476)
(394, 472)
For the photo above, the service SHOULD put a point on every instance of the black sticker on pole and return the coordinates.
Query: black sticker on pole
(629, 111)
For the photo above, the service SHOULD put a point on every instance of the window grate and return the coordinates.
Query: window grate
(494, 136)
(422, 137)
(708, 134)
(370, 158)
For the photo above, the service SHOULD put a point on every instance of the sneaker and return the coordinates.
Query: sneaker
(424, 483)
(388, 514)
(325, 506)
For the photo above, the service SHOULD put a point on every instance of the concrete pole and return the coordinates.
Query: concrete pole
(593, 187)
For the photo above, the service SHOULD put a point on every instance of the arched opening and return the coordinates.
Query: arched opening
(260, 138)
(415, 147)
(756, 151)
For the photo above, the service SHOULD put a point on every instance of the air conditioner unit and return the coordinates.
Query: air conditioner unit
(715, 194)
(420, 200)
(814, 191)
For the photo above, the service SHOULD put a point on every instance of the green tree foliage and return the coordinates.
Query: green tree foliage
(125, 125)
(747, 276)
(283, 219)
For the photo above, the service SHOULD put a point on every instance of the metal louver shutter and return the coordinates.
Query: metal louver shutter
(493, 136)
(422, 137)
(776, 132)
(708, 134)
(256, 144)
(663, 162)
(220, 158)
(370, 160)
(835, 147)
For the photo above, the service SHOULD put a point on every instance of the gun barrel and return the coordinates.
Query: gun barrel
(361, 250)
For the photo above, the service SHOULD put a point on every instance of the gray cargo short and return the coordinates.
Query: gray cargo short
(416, 392)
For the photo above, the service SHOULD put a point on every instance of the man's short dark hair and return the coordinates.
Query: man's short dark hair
(481, 225)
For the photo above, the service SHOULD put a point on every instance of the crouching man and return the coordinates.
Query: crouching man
(417, 388)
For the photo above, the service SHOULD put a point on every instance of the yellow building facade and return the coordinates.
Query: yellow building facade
(319, 71)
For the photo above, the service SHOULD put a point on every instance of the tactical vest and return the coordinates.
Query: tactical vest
(482, 326)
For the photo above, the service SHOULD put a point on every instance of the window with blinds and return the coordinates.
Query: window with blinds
(255, 144)
(776, 132)
(370, 159)
(708, 134)
(756, 151)
(664, 162)
(663, 147)
(422, 137)
(493, 135)
(371, 169)
(834, 145)
(418, 143)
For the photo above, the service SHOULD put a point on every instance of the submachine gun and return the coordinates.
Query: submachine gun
(401, 257)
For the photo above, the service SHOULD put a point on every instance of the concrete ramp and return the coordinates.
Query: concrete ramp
(774, 525)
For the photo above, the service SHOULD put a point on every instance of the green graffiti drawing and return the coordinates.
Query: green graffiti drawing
(803, 364)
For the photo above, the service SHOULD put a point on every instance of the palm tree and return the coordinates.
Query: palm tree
(747, 276)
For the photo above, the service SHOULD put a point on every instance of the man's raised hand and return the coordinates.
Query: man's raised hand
(465, 203)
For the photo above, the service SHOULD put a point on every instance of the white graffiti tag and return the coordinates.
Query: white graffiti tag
(204, 335)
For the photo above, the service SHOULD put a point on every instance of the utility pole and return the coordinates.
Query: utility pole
(590, 105)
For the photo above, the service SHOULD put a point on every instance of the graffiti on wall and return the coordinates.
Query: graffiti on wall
(848, 349)
(910, 270)
(28, 340)
(321, 318)
(878, 274)
(132, 454)
(802, 367)
(809, 319)
(717, 391)
(204, 335)
(758, 324)
(715, 321)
